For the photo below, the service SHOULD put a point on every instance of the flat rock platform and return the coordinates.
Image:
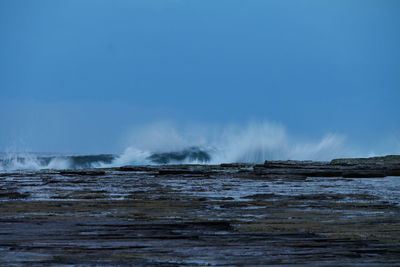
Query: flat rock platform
(290, 213)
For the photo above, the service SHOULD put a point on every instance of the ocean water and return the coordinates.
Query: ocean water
(38, 161)
(132, 156)
(165, 144)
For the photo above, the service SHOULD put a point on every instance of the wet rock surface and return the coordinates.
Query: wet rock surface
(278, 213)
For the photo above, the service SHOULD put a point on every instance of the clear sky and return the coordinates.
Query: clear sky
(76, 75)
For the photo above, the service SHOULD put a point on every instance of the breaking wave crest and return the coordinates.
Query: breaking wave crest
(35, 161)
(162, 143)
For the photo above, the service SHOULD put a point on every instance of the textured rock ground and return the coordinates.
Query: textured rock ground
(343, 213)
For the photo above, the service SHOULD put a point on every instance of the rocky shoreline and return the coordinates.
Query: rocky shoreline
(340, 213)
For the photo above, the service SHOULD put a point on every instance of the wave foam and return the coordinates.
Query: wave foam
(37, 161)
(253, 143)
(162, 143)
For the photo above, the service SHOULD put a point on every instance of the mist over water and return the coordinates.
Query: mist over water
(31, 161)
(254, 143)
(36, 161)
(165, 143)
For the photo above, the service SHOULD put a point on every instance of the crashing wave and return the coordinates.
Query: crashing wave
(33, 161)
(30, 161)
(164, 144)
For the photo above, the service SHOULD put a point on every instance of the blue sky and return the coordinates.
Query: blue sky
(75, 76)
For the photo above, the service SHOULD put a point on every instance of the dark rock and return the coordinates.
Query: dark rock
(198, 215)
(83, 172)
(262, 196)
(13, 195)
(390, 159)
(236, 165)
(182, 171)
(364, 173)
(133, 168)
(320, 197)
(351, 168)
